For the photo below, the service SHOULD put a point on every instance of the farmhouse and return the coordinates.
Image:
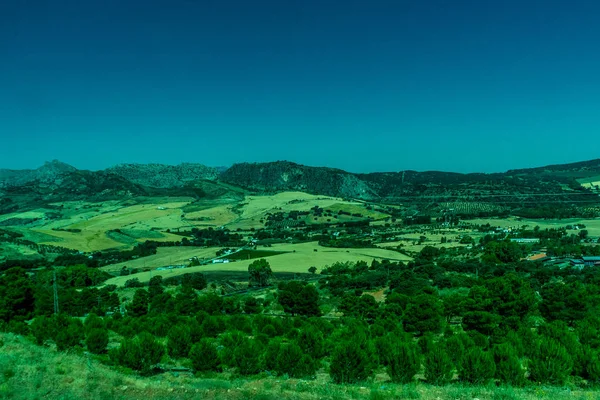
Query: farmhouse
(591, 261)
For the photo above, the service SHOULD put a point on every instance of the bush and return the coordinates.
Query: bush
(508, 365)
(97, 340)
(404, 363)
(69, 336)
(477, 366)
(140, 354)
(350, 364)
(438, 366)
(291, 360)
(551, 363)
(247, 357)
(179, 341)
(204, 356)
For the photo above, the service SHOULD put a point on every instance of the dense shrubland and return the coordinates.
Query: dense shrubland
(441, 320)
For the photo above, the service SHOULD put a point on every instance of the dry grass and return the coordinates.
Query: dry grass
(164, 256)
(31, 372)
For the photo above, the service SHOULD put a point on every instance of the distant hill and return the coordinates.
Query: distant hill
(572, 189)
(164, 176)
(285, 175)
(46, 173)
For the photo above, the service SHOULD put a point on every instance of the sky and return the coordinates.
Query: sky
(370, 85)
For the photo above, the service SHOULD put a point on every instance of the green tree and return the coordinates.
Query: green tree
(69, 335)
(97, 340)
(299, 298)
(204, 356)
(476, 367)
(259, 272)
(424, 314)
(438, 365)
(291, 360)
(179, 341)
(247, 358)
(350, 364)
(508, 366)
(140, 354)
(404, 362)
(252, 305)
(550, 363)
(139, 304)
(16, 295)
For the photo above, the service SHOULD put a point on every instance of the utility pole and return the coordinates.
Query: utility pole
(55, 288)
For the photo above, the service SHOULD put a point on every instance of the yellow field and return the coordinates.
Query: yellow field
(299, 261)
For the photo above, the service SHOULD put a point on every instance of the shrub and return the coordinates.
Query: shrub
(404, 363)
(438, 366)
(204, 356)
(69, 336)
(292, 361)
(97, 340)
(477, 366)
(247, 357)
(508, 365)
(179, 341)
(551, 363)
(350, 364)
(141, 353)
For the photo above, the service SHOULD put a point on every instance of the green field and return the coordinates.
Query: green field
(296, 258)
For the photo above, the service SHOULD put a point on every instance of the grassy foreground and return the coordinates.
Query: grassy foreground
(28, 371)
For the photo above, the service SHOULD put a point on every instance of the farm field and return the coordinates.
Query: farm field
(164, 256)
(592, 225)
(298, 259)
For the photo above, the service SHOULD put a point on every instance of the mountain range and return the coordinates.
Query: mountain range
(569, 184)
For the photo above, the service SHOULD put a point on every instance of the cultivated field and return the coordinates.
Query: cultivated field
(592, 225)
(298, 259)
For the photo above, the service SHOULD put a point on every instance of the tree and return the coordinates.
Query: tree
(550, 363)
(424, 314)
(476, 367)
(350, 364)
(312, 270)
(179, 341)
(204, 356)
(139, 304)
(438, 365)
(508, 366)
(252, 305)
(299, 298)
(246, 357)
(259, 273)
(69, 335)
(140, 354)
(97, 340)
(404, 362)
(291, 360)
(16, 295)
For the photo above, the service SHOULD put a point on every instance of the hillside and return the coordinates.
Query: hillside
(164, 176)
(288, 176)
(28, 371)
(46, 173)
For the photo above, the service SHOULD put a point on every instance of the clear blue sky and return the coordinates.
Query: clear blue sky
(360, 85)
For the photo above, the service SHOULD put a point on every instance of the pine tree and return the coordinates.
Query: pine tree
(204, 356)
(477, 367)
(404, 362)
(291, 360)
(551, 363)
(508, 365)
(438, 365)
(179, 341)
(97, 340)
(350, 364)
